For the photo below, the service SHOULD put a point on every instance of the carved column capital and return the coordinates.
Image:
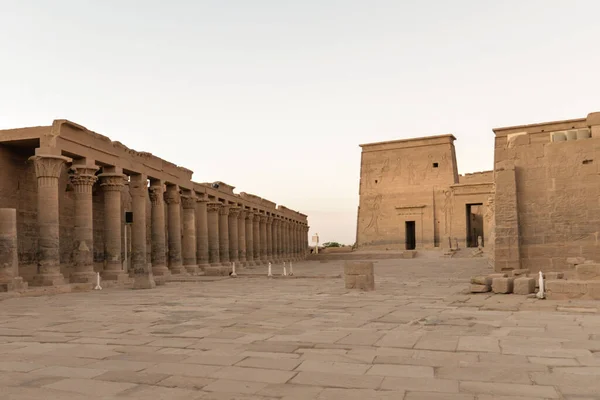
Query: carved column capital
(202, 199)
(269, 220)
(156, 194)
(256, 217)
(250, 215)
(188, 201)
(172, 195)
(83, 177)
(242, 214)
(224, 210)
(234, 211)
(213, 207)
(48, 166)
(138, 186)
(112, 182)
(275, 221)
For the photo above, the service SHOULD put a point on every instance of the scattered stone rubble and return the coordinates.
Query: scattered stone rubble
(580, 281)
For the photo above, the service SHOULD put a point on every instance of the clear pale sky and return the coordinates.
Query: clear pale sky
(274, 96)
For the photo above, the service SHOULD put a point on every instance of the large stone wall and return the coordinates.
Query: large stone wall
(557, 188)
(415, 180)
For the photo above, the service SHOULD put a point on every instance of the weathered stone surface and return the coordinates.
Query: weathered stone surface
(524, 285)
(587, 272)
(481, 280)
(502, 285)
(475, 288)
(359, 275)
(551, 275)
(519, 272)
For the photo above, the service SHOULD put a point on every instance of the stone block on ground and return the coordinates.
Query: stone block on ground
(476, 288)
(359, 275)
(563, 290)
(502, 285)
(481, 280)
(498, 275)
(588, 272)
(524, 285)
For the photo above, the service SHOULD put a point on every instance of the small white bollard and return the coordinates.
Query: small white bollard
(233, 274)
(98, 287)
(270, 273)
(540, 294)
(284, 272)
(291, 269)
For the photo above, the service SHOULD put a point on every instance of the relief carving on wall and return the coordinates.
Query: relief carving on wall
(374, 211)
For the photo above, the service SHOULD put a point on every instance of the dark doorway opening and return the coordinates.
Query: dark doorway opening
(474, 224)
(410, 235)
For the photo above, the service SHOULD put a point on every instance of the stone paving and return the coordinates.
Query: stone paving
(419, 335)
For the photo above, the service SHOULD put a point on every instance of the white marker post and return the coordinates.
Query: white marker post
(270, 273)
(98, 287)
(540, 294)
(284, 271)
(291, 269)
(233, 274)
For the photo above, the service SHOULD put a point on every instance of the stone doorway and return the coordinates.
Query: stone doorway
(474, 224)
(410, 235)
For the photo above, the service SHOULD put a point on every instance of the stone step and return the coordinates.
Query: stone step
(588, 271)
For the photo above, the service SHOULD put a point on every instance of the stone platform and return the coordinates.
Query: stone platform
(253, 338)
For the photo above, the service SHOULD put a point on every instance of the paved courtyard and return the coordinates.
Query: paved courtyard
(418, 336)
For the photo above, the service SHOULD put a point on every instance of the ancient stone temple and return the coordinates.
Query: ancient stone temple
(539, 206)
(74, 203)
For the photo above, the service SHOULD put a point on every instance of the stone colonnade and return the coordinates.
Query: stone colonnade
(196, 229)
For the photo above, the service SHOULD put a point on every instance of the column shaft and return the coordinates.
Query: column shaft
(189, 232)
(256, 238)
(9, 259)
(202, 234)
(213, 232)
(250, 238)
(112, 184)
(242, 237)
(83, 178)
(234, 213)
(269, 234)
(158, 236)
(224, 235)
(142, 273)
(274, 239)
(173, 200)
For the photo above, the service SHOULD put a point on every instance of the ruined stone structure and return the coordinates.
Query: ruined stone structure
(85, 204)
(539, 206)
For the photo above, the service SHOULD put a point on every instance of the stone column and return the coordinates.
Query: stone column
(280, 239)
(112, 184)
(506, 218)
(286, 240)
(293, 240)
(142, 272)
(47, 170)
(242, 237)
(212, 212)
(224, 235)
(173, 200)
(269, 234)
(256, 238)
(249, 238)
(9, 260)
(189, 232)
(296, 242)
(234, 213)
(202, 233)
(157, 219)
(83, 178)
(274, 239)
(263, 239)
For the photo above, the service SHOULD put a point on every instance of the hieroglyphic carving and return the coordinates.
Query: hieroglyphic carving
(447, 211)
(375, 213)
